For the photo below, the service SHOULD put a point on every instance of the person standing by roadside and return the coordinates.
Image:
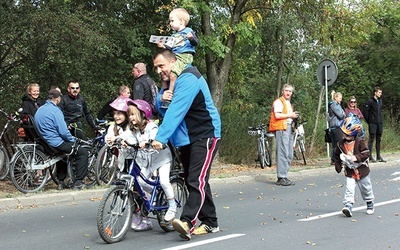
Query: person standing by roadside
(336, 115)
(374, 118)
(353, 109)
(108, 110)
(74, 108)
(192, 123)
(141, 88)
(282, 115)
(51, 125)
(31, 101)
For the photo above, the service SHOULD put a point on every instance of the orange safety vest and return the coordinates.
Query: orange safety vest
(278, 124)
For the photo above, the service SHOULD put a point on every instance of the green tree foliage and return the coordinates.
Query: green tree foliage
(248, 49)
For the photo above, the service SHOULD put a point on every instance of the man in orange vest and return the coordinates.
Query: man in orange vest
(282, 115)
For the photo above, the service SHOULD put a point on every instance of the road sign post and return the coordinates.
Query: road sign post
(327, 75)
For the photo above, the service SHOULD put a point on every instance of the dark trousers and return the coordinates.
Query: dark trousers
(375, 131)
(80, 162)
(77, 131)
(197, 159)
(337, 135)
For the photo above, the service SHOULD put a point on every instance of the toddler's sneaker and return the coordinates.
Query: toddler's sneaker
(170, 214)
(205, 229)
(370, 207)
(182, 228)
(145, 225)
(137, 219)
(347, 210)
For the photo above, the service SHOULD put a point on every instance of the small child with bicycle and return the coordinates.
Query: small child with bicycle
(119, 127)
(352, 152)
(144, 130)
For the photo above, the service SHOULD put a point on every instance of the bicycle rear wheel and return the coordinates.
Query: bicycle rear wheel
(4, 163)
(106, 166)
(24, 178)
(302, 149)
(90, 179)
(268, 161)
(114, 216)
(180, 194)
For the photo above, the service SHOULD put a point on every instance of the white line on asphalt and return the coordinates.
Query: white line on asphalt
(354, 209)
(203, 242)
(396, 173)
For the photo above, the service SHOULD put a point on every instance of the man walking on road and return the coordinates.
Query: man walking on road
(374, 118)
(192, 123)
(282, 115)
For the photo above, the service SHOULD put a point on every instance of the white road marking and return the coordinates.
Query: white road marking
(397, 178)
(354, 209)
(203, 242)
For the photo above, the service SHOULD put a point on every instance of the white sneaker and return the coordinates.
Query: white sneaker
(144, 225)
(137, 219)
(370, 207)
(170, 214)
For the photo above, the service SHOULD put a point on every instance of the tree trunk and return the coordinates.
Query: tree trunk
(280, 64)
(218, 68)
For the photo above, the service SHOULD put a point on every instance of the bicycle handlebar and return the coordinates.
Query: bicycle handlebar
(11, 117)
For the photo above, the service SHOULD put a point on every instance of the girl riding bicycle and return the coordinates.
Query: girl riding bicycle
(145, 130)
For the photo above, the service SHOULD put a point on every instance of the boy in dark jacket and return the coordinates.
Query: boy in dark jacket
(352, 153)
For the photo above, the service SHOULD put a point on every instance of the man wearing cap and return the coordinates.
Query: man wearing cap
(50, 123)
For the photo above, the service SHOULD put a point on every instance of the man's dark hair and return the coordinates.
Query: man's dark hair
(376, 89)
(166, 53)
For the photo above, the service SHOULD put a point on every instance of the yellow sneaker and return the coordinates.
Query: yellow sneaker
(182, 228)
(205, 229)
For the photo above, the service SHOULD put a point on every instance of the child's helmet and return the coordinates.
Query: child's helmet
(142, 106)
(121, 103)
(351, 125)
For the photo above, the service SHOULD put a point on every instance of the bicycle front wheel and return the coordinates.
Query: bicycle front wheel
(267, 159)
(261, 153)
(180, 195)
(106, 166)
(114, 216)
(24, 178)
(4, 163)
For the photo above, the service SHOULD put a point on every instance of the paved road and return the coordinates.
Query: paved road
(253, 213)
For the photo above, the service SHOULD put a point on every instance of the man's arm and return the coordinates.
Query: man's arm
(88, 116)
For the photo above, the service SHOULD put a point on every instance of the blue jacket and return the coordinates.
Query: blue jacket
(182, 43)
(191, 116)
(50, 122)
(336, 114)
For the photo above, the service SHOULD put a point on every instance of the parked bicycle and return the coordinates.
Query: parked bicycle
(116, 208)
(263, 151)
(6, 150)
(37, 154)
(299, 139)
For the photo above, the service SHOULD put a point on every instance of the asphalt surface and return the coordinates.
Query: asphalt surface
(67, 196)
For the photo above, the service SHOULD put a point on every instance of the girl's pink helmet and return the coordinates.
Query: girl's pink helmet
(121, 103)
(142, 106)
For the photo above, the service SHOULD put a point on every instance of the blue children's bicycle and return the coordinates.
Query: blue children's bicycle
(116, 208)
